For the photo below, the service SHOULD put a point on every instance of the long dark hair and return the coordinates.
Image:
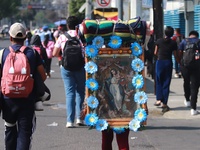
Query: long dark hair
(46, 40)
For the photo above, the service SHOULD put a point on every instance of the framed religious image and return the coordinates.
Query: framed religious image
(114, 89)
(115, 92)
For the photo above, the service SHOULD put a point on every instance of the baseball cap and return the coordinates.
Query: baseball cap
(17, 31)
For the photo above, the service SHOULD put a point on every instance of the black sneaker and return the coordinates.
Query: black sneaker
(165, 109)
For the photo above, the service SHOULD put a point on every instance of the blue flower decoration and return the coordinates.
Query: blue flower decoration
(115, 42)
(92, 102)
(91, 119)
(137, 65)
(92, 84)
(91, 51)
(140, 114)
(138, 81)
(98, 41)
(101, 125)
(134, 125)
(90, 67)
(119, 130)
(136, 49)
(140, 97)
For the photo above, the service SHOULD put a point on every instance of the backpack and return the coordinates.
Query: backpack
(72, 58)
(16, 81)
(191, 49)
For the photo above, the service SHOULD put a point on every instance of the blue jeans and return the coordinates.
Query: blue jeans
(74, 84)
(163, 79)
(20, 123)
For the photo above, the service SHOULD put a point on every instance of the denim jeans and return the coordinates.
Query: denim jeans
(163, 79)
(74, 84)
(20, 123)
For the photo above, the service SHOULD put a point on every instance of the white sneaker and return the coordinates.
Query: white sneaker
(39, 106)
(69, 125)
(194, 112)
(79, 122)
(176, 75)
(187, 103)
(44, 97)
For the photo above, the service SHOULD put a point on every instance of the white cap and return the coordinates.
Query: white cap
(17, 31)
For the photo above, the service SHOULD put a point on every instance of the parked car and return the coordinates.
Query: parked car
(4, 30)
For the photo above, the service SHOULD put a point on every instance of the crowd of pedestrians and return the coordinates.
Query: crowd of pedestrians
(20, 116)
(164, 67)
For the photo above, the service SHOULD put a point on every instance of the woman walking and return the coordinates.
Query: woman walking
(164, 48)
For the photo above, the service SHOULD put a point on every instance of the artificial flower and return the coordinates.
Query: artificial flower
(140, 114)
(134, 125)
(91, 51)
(137, 65)
(115, 42)
(98, 41)
(90, 67)
(101, 125)
(119, 130)
(91, 119)
(136, 49)
(92, 84)
(138, 81)
(140, 97)
(92, 102)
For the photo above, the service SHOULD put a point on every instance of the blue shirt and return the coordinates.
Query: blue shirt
(184, 42)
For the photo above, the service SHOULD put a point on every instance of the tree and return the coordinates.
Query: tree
(8, 8)
(74, 6)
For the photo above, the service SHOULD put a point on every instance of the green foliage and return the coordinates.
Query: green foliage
(74, 6)
(38, 16)
(25, 15)
(8, 8)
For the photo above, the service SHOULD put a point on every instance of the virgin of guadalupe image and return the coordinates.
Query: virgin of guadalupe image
(116, 89)
(115, 93)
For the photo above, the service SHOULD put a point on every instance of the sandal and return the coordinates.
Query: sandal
(157, 104)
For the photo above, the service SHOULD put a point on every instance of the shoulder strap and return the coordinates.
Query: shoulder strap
(1, 55)
(68, 36)
(22, 49)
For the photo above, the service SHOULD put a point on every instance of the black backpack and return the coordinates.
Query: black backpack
(72, 57)
(191, 51)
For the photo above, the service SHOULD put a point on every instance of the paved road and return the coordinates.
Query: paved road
(175, 130)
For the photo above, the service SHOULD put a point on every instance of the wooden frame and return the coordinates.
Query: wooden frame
(115, 76)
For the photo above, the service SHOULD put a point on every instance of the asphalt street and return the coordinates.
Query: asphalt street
(175, 130)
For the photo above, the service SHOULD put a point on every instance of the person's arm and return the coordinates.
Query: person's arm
(156, 50)
(57, 46)
(56, 52)
(40, 67)
(41, 71)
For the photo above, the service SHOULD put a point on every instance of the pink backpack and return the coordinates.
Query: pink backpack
(16, 81)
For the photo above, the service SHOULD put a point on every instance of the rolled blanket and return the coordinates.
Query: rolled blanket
(137, 28)
(122, 30)
(90, 29)
(105, 29)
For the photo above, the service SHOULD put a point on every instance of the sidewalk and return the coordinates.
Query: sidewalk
(175, 102)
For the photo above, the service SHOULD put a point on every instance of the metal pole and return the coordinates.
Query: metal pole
(158, 18)
(120, 9)
(88, 10)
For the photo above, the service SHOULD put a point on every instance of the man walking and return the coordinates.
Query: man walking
(18, 112)
(190, 74)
